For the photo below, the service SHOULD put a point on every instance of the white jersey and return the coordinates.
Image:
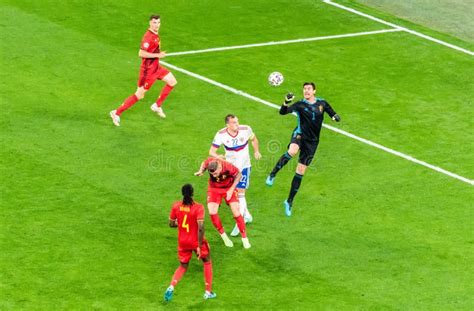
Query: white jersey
(236, 147)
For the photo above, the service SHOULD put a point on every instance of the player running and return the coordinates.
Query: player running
(235, 139)
(305, 137)
(150, 71)
(188, 216)
(223, 179)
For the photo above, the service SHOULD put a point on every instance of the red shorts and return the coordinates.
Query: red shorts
(185, 254)
(216, 195)
(147, 79)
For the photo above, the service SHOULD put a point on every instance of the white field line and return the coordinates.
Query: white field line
(246, 46)
(452, 46)
(363, 140)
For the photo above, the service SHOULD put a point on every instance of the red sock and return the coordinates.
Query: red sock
(208, 275)
(129, 102)
(241, 224)
(164, 93)
(178, 274)
(216, 221)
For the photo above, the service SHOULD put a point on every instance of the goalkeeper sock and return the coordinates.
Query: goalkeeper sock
(282, 162)
(295, 185)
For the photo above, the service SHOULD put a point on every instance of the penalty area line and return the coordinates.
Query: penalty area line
(337, 130)
(246, 46)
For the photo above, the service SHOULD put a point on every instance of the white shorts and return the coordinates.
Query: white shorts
(245, 179)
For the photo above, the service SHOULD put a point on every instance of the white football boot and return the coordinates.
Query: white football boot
(158, 110)
(246, 243)
(226, 240)
(115, 118)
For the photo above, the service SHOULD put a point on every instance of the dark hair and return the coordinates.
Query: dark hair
(310, 83)
(154, 16)
(212, 166)
(188, 192)
(228, 117)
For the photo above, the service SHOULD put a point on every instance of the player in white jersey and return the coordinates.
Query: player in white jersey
(235, 139)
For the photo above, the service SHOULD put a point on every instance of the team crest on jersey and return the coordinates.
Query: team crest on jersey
(321, 108)
(241, 139)
(146, 45)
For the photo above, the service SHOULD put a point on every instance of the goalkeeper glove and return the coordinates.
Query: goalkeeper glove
(289, 97)
(336, 118)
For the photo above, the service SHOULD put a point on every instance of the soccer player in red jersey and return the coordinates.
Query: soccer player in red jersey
(223, 179)
(188, 216)
(150, 71)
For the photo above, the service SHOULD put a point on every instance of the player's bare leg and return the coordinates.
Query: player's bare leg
(234, 206)
(284, 159)
(129, 102)
(243, 211)
(216, 221)
(208, 294)
(170, 81)
(295, 185)
(178, 274)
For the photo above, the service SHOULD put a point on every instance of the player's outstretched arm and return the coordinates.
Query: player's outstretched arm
(201, 170)
(334, 116)
(213, 153)
(285, 109)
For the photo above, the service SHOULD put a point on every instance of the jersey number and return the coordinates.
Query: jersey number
(184, 224)
(235, 141)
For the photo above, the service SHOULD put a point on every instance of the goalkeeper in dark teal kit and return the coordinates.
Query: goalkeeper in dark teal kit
(305, 138)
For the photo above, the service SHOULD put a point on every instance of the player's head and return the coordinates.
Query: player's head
(309, 90)
(232, 122)
(188, 192)
(214, 168)
(155, 22)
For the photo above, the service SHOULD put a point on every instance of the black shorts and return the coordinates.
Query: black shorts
(307, 148)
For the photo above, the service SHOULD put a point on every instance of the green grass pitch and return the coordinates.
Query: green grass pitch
(84, 205)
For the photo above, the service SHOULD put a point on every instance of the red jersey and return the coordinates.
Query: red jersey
(151, 44)
(187, 217)
(227, 176)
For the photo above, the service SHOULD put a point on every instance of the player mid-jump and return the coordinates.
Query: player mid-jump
(305, 138)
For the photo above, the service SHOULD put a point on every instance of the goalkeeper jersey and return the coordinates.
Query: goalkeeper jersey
(309, 117)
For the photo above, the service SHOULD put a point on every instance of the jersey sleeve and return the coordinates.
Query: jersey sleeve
(288, 109)
(173, 215)
(217, 141)
(146, 44)
(200, 212)
(250, 134)
(329, 109)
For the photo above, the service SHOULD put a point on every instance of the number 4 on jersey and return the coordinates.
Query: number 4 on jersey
(184, 224)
